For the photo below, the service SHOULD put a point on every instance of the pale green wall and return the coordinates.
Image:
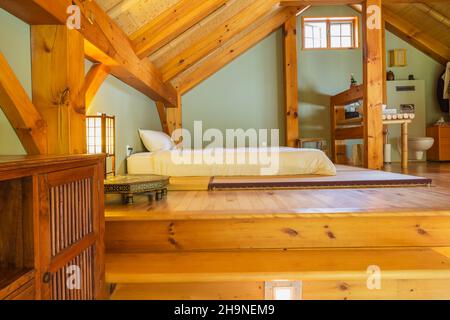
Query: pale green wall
(248, 93)
(15, 46)
(132, 109)
(322, 74)
(424, 68)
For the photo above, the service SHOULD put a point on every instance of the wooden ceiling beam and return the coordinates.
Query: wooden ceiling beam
(172, 23)
(216, 38)
(26, 120)
(229, 52)
(106, 40)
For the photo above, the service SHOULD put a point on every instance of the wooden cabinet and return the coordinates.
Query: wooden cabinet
(441, 148)
(51, 227)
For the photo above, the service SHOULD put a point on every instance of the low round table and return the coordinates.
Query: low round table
(130, 185)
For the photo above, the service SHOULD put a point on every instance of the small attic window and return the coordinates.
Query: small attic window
(330, 33)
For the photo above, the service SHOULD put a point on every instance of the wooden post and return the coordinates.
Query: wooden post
(291, 81)
(162, 112)
(405, 145)
(373, 83)
(57, 80)
(174, 117)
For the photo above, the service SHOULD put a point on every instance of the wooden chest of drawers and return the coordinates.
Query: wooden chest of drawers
(441, 148)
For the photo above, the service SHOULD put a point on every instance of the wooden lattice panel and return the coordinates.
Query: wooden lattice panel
(75, 281)
(70, 214)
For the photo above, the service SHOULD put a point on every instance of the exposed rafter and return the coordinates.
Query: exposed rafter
(26, 120)
(217, 38)
(171, 23)
(231, 51)
(106, 37)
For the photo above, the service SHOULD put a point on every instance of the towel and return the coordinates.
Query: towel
(446, 78)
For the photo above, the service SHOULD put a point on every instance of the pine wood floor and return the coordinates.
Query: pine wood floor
(226, 204)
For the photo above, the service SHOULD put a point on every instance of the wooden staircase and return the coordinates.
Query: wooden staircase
(196, 255)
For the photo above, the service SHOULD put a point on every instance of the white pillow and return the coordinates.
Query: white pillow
(156, 141)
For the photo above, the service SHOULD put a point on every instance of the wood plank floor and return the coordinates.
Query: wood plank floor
(185, 205)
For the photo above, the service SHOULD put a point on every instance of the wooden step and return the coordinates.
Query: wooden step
(146, 231)
(267, 265)
(311, 290)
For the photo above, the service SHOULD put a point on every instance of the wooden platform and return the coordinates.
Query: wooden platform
(346, 177)
(193, 225)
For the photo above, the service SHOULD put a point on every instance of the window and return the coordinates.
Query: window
(330, 33)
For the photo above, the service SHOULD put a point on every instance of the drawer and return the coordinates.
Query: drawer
(444, 149)
(444, 132)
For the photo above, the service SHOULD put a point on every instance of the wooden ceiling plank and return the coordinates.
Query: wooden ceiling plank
(433, 13)
(171, 24)
(121, 7)
(217, 38)
(214, 63)
(110, 42)
(20, 111)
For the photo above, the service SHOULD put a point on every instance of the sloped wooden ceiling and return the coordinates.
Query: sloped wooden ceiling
(206, 39)
(426, 18)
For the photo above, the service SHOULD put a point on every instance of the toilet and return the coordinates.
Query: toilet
(418, 145)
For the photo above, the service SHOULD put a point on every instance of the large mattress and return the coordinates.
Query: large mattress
(232, 162)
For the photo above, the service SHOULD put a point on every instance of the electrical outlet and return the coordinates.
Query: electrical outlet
(129, 150)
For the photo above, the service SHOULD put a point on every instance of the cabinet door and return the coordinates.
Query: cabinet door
(71, 229)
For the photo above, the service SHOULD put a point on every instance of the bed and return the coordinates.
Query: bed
(231, 162)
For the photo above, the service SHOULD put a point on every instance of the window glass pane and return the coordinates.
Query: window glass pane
(335, 42)
(318, 33)
(308, 31)
(346, 42)
(335, 30)
(339, 31)
(346, 29)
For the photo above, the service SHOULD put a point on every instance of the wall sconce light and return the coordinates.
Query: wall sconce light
(397, 58)
(101, 138)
